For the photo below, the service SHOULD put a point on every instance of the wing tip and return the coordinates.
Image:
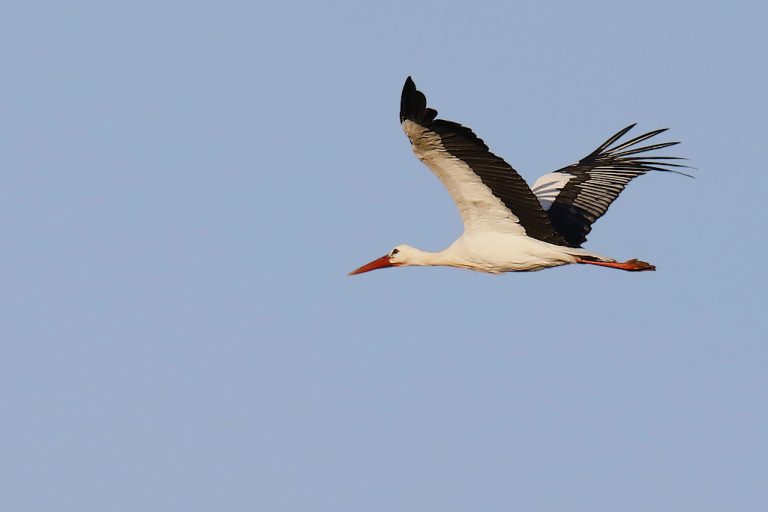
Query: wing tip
(413, 105)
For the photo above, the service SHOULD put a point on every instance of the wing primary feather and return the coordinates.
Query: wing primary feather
(613, 139)
(643, 149)
(638, 139)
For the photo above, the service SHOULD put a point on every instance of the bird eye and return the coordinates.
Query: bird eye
(395, 251)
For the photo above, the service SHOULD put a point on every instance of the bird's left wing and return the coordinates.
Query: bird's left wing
(576, 196)
(490, 195)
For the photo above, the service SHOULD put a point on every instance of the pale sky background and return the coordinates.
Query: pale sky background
(186, 184)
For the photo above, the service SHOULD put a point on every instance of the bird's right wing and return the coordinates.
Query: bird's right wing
(576, 196)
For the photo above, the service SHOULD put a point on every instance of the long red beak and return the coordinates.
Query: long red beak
(382, 262)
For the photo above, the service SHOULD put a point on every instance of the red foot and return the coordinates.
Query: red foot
(631, 265)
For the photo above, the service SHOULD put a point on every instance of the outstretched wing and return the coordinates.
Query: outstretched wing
(489, 193)
(576, 196)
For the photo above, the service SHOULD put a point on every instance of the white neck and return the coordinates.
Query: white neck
(447, 257)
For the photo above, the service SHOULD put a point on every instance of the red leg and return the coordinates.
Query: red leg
(631, 265)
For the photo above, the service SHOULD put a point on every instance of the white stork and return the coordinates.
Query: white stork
(509, 227)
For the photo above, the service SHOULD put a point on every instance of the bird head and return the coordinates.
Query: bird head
(401, 255)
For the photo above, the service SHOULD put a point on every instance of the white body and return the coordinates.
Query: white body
(493, 252)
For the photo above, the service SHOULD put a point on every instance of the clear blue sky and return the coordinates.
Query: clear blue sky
(186, 184)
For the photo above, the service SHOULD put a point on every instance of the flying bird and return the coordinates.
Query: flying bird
(509, 226)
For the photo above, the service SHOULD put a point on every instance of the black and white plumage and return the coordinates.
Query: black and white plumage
(507, 225)
(576, 196)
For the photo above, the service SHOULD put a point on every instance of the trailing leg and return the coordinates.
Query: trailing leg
(632, 265)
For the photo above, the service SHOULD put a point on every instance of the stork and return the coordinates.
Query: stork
(508, 226)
